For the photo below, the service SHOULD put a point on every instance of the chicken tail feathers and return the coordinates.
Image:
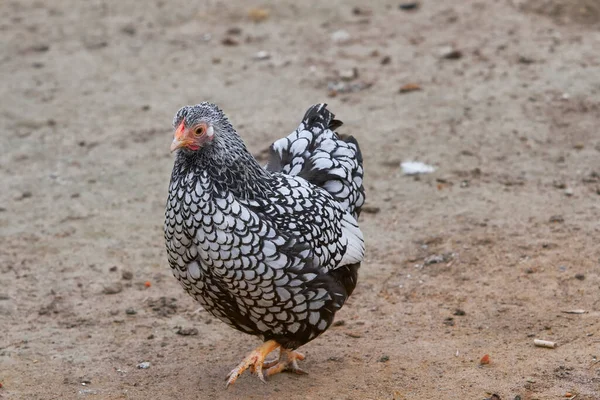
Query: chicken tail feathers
(318, 154)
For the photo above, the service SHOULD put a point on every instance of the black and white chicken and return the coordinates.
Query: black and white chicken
(272, 251)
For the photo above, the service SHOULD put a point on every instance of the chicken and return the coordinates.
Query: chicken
(271, 251)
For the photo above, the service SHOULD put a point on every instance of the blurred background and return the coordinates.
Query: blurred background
(497, 246)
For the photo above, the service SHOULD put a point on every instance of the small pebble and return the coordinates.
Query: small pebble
(130, 311)
(234, 31)
(127, 275)
(556, 219)
(450, 53)
(569, 192)
(113, 288)
(24, 195)
(262, 55)
(526, 60)
(384, 358)
(348, 74)
(460, 312)
(128, 30)
(413, 5)
(187, 331)
(144, 365)
(485, 360)
(434, 259)
(340, 36)
(113, 268)
(409, 87)
(361, 11)
(494, 397)
(229, 42)
(580, 277)
(40, 48)
(370, 209)
(258, 14)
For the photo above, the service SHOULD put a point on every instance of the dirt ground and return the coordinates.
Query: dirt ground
(480, 257)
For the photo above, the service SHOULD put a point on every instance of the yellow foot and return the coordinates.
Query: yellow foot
(254, 361)
(288, 361)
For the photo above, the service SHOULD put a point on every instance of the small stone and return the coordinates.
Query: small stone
(40, 48)
(113, 268)
(559, 185)
(130, 311)
(370, 209)
(361, 11)
(450, 53)
(434, 259)
(145, 107)
(234, 31)
(460, 312)
(569, 192)
(348, 74)
(340, 322)
(229, 42)
(580, 277)
(258, 14)
(127, 275)
(525, 60)
(385, 358)
(144, 365)
(128, 30)
(449, 321)
(409, 6)
(187, 331)
(409, 87)
(485, 359)
(262, 55)
(113, 288)
(556, 219)
(341, 37)
(386, 60)
(24, 195)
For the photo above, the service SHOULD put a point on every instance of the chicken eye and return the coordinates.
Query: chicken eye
(199, 130)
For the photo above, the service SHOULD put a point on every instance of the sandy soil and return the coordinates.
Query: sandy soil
(480, 257)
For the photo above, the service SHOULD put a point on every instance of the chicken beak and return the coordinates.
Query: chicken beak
(175, 145)
(179, 140)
